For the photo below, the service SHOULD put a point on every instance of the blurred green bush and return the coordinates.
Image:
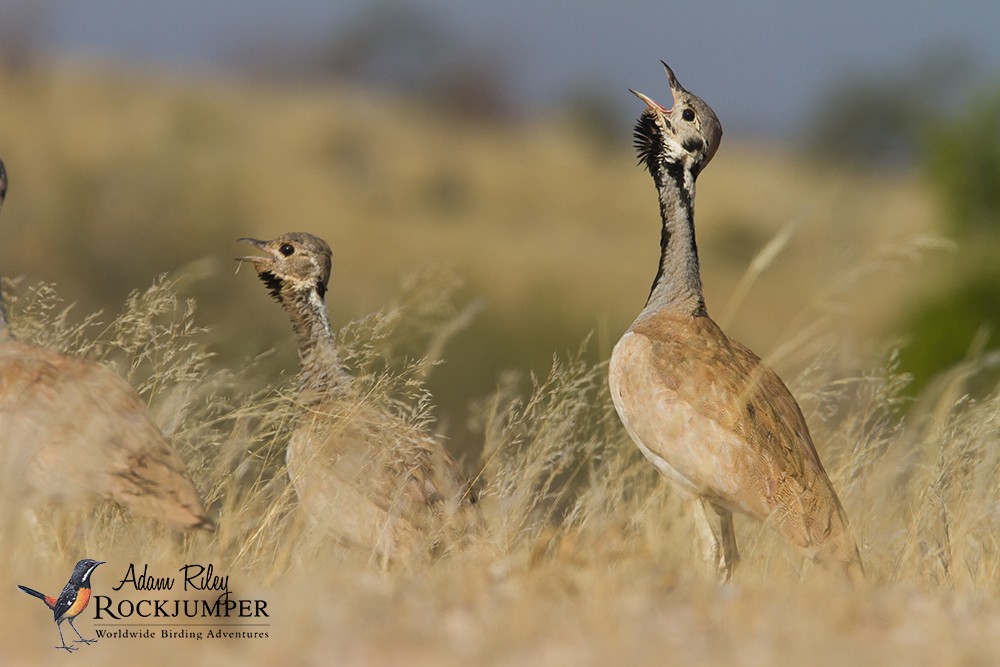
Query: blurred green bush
(961, 158)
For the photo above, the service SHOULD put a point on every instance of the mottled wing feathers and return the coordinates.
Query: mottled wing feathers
(78, 423)
(726, 423)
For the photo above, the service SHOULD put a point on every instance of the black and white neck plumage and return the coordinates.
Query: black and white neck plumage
(82, 571)
(296, 271)
(675, 144)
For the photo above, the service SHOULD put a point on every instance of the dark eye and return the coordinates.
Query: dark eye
(688, 114)
(286, 249)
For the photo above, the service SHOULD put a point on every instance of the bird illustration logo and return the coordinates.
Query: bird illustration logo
(72, 601)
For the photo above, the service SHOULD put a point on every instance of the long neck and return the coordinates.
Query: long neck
(4, 329)
(677, 285)
(321, 368)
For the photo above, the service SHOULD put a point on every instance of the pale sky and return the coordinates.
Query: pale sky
(763, 64)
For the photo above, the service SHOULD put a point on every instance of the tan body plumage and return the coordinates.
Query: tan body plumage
(389, 493)
(74, 430)
(705, 410)
(357, 469)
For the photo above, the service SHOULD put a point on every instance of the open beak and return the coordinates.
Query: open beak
(256, 259)
(650, 104)
(675, 87)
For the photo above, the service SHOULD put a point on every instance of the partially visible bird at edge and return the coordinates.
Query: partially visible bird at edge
(74, 430)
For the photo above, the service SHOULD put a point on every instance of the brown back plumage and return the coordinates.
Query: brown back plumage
(82, 431)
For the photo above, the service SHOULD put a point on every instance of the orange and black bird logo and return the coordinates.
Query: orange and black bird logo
(72, 601)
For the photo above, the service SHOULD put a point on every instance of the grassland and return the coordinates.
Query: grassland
(588, 558)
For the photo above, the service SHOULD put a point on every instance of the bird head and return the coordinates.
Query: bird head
(84, 568)
(295, 262)
(686, 134)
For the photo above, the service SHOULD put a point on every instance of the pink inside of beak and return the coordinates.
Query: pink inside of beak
(653, 103)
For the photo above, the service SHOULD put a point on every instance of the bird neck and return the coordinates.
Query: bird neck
(4, 329)
(321, 367)
(677, 285)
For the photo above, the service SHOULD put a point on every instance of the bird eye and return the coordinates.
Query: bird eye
(688, 114)
(286, 249)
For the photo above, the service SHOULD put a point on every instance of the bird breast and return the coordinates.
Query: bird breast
(689, 448)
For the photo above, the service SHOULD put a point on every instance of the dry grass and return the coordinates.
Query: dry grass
(588, 558)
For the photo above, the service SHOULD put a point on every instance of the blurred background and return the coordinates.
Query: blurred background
(860, 168)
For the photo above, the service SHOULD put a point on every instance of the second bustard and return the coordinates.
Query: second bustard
(386, 490)
(706, 411)
(73, 429)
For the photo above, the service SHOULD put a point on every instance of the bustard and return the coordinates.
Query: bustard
(73, 429)
(386, 490)
(706, 411)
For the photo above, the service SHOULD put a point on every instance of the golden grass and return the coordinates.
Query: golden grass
(588, 558)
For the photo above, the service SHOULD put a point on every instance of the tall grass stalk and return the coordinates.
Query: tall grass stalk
(587, 556)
